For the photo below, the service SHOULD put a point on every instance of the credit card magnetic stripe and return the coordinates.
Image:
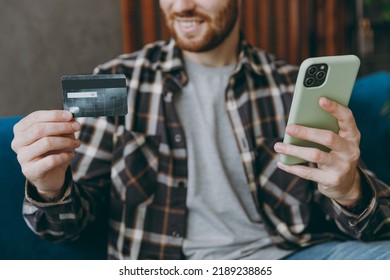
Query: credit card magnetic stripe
(93, 81)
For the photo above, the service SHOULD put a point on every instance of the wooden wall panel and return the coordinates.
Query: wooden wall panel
(280, 18)
(248, 20)
(291, 29)
(332, 26)
(149, 21)
(128, 25)
(264, 25)
(294, 46)
(305, 39)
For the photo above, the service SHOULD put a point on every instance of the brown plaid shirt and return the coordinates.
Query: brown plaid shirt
(138, 163)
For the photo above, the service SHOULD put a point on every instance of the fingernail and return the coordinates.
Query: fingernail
(278, 147)
(325, 101)
(76, 125)
(67, 115)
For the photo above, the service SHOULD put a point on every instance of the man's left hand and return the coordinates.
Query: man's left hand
(336, 173)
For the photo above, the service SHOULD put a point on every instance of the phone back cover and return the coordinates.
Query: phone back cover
(305, 109)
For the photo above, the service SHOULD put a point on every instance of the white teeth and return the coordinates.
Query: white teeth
(187, 23)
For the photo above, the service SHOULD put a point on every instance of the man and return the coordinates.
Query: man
(191, 172)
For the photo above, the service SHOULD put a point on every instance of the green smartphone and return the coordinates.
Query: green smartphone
(329, 76)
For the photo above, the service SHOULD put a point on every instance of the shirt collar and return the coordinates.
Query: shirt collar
(249, 58)
(171, 60)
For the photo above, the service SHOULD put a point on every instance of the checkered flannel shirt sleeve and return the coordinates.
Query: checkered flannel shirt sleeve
(65, 218)
(369, 218)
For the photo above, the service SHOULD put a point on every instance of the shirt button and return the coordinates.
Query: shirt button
(168, 97)
(175, 233)
(181, 184)
(244, 144)
(177, 138)
(232, 105)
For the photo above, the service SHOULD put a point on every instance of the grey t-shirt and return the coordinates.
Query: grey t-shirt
(223, 222)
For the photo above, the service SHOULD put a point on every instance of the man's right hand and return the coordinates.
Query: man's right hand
(44, 142)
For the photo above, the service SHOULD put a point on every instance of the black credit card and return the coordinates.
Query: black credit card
(95, 95)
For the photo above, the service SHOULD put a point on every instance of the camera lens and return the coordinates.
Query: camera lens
(309, 82)
(320, 75)
(312, 70)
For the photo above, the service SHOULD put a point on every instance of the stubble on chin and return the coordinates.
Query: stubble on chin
(215, 34)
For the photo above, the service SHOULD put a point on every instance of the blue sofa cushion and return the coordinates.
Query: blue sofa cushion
(368, 98)
(17, 241)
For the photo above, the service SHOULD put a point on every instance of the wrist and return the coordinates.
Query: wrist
(354, 195)
(50, 196)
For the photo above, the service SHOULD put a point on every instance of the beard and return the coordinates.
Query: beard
(216, 30)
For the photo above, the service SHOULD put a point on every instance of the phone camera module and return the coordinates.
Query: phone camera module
(315, 75)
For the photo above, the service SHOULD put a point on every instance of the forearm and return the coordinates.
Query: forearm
(368, 218)
(65, 218)
(55, 221)
(354, 195)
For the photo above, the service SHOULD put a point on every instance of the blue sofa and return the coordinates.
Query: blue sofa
(18, 242)
(369, 96)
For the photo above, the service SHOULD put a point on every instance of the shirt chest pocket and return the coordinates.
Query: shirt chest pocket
(135, 166)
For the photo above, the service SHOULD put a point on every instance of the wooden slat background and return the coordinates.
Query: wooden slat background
(291, 29)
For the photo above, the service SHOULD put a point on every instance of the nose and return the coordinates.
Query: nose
(180, 6)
